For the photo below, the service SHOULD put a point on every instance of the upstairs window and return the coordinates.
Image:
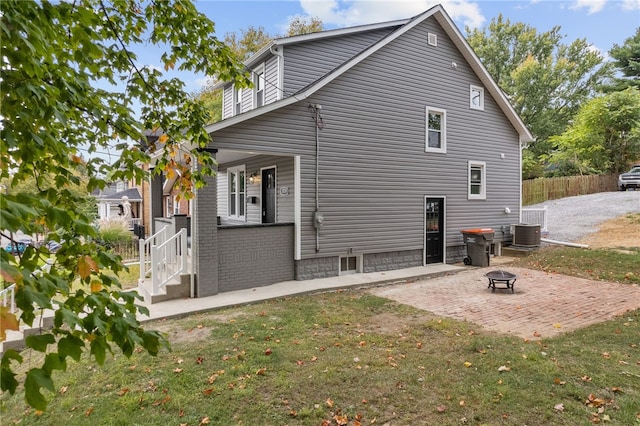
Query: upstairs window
(477, 180)
(259, 88)
(436, 130)
(237, 99)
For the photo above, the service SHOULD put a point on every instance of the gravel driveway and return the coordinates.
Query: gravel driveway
(572, 218)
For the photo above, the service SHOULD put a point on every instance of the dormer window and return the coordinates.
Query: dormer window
(259, 88)
(237, 97)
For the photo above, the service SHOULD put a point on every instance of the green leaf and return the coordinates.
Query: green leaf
(39, 342)
(71, 346)
(37, 379)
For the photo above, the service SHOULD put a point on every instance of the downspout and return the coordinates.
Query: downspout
(318, 217)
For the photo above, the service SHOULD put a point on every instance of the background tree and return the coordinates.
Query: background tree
(304, 25)
(70, 82)
(545, 80)
(604, 137)
(626, 58)
(244, 44)
(248, 42)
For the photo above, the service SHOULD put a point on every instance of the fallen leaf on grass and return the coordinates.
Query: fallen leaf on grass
(329, 402)
(441, 408)
(616, 389)
(63, 389)
(467, 364)
(204, 421)
(504, 368)
(178, 370)
(123, 391)
(268, 351)
(88, 412)
(557, 381)
(208, 391)
(606, 355)
(559, 407)
(261, 372)
(199, 360)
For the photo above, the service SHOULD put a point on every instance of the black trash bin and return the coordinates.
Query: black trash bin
(478, 243)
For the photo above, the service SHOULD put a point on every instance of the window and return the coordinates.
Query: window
(432, 39)
(349, 265)
(436, 130)
(237, 192)
(176, 205)
(237, 95)
(259, 88)
(476, 97)
(477, 180)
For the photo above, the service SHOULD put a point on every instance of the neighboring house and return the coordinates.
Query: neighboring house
(358, 150)
(110, 202)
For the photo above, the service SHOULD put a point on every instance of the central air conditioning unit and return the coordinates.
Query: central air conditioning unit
(526, 235)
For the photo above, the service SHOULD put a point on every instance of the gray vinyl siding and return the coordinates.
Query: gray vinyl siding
(284, 179)
(227, 102)
(304, 63)
(247, 99)
(272, 83)
(373, 169)
(223, 202)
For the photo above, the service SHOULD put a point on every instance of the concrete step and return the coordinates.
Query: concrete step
(179, 288)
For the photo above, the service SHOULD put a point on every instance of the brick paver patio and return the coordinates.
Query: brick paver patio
(543, 305)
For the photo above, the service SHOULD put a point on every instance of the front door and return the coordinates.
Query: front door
(434, 230)
(269, 195)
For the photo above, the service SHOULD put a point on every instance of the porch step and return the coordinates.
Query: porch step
(179, 288)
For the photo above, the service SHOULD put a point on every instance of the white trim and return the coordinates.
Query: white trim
(275, 208)
(443, 130)
(444, 229)
(452, 31)
(297, 207)
(483, 180)
(480, 95)
(280, 74)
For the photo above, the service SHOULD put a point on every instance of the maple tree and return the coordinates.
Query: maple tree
(72, 84)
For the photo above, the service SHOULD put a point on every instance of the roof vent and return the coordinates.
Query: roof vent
(432, 39)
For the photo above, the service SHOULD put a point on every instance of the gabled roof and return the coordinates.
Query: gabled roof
(132, 193)
(445, 22)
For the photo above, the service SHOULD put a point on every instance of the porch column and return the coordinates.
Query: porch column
(205, 238)
(156, 200)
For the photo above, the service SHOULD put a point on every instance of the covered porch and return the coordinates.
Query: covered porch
(239, 233)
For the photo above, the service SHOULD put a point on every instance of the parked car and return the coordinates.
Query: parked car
(18, 247)
(631, 179)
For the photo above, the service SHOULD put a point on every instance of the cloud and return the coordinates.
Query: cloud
(592, 6)
(345, 13)
(202, 82)
(631, 5)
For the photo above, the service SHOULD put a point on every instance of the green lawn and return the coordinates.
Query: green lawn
(349, 358)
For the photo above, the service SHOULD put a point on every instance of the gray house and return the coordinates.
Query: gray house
(357, 150)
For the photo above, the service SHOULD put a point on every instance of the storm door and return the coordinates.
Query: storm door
(434, 230)
(269, 195)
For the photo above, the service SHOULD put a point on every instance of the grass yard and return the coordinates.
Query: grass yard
(350, 358)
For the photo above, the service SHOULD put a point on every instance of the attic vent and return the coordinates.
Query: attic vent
(432, 39)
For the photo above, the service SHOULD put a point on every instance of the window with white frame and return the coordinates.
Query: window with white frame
(436, 130)
(349, 265)
(477, 180)
(237, 191)
(258, 90)
(237, 99)
(176, 205)
(476, 97)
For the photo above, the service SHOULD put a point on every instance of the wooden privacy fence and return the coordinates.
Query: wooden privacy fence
(539, 190)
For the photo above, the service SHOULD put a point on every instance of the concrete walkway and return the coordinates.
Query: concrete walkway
(182, 307)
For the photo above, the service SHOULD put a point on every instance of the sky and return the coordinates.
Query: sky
(602, 23)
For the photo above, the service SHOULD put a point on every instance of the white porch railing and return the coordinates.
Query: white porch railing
(535, 217)
(145, 250)
(8, 297)
(167, 258)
